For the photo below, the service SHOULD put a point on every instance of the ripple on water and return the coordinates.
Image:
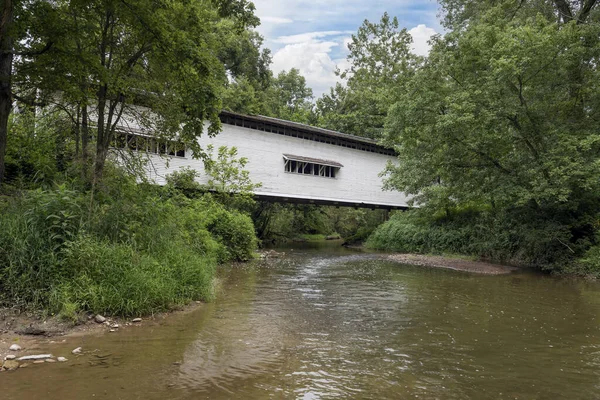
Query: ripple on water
(345, 325)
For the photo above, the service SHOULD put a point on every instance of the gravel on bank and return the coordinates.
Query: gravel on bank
(480, 267)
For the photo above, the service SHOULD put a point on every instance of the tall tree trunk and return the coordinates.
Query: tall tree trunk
(85, 134)
(77, 131)
(85, 139)
(106, 128)
(6, 61)
(101, 150)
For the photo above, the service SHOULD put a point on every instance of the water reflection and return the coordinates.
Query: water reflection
(329, 323)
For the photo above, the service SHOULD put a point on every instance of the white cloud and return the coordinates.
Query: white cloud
(311, 54)
(312, 58)
(421, 34)
(312, 35)
(275, 20)
(308, 36)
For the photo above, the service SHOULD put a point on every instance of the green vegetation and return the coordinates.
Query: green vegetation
(137, 249)
(284, 222)
(513, 236)
(79, 232)
(125, 247)
(380, 65)
(497, 136)
(96, 62)
(284, 96)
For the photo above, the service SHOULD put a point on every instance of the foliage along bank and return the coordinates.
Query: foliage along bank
(497, 136)
(134, 249)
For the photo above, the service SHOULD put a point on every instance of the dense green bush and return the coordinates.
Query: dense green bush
(516, 236)
(131, 249)
(114, 278)
(33, 232)
(37, 152)
(588, 265)
(235, 231)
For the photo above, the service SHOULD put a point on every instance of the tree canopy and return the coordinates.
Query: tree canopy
(109, 63)
(380, 65)
(504, 111)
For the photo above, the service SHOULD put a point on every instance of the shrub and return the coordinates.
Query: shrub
(514, 236)
(136, 249)
(588, 265)
(33, 230)
(235, 231)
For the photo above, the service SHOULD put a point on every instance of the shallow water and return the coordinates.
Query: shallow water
(331, 323)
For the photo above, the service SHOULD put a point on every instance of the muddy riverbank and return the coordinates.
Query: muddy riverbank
(32, 331)
(454, 263)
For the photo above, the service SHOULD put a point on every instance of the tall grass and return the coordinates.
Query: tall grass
(134, 250)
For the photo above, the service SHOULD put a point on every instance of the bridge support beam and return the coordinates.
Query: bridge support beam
(321, 202)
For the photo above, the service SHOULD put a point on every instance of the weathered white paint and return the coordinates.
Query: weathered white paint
(357, 182)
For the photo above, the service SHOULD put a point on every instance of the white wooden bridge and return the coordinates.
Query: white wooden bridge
(295, 163)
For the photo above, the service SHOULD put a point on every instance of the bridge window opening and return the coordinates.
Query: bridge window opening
(142, 143)
(148, 144)
(152, 146)
(310, 168)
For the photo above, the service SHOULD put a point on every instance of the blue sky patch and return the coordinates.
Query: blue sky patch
(312, 35)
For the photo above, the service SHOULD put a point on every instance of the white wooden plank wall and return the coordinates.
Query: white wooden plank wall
(357, 181)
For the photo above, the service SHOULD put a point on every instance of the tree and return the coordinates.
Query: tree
(504, 112)
(289, 98)
(250, 76)
(149, 64)
(458, 14)
(285, 96)
(242, 96)
(18, 19)
(229, 179)
(243, 58)
(6, 60)
(227, 173)
(380, 65)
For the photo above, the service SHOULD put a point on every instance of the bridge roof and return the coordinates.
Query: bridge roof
(271, 124)
(313, 160)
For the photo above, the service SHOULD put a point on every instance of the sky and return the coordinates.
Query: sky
(312, 35)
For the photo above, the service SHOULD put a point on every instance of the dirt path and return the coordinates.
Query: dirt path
(480, 267)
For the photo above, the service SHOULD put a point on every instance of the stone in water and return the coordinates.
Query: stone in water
(10, 364)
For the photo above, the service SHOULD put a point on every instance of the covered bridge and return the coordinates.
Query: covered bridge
(295, 163)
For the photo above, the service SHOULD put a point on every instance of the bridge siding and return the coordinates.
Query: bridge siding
(356, 182)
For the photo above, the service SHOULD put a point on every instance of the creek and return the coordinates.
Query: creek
(325, 322)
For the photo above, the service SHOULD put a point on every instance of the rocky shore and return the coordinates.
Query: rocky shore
(22, 352)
